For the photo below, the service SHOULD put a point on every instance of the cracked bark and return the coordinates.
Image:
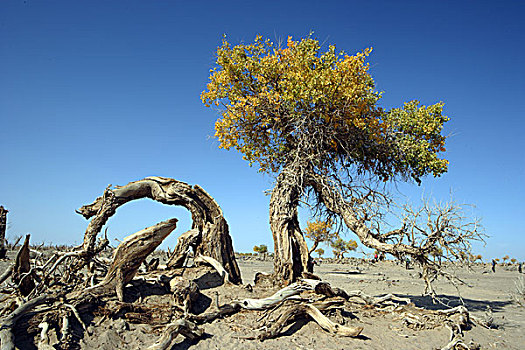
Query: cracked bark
(292, 258)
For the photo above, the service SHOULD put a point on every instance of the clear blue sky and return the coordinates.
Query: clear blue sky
(106, 92)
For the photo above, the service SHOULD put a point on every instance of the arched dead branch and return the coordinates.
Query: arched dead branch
(213, 237)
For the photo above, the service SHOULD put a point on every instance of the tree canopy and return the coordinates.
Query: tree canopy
(261, 249)
(341, 246)
(283, 103)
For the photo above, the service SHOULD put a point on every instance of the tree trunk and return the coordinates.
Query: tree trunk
(314, 247)
(291, 252)
(214, 238)
(3, 225)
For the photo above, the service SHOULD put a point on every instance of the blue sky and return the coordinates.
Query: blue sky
(107, 92)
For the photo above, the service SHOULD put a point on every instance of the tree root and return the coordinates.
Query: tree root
(293, 312)
(215, 264)
(184, 327)
(7, 338)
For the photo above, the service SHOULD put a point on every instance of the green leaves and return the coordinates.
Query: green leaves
(298, 102)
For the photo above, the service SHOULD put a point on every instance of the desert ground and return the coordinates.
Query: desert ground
(489, 296)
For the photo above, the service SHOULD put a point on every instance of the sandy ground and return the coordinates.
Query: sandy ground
(385, 332)
(381, 331)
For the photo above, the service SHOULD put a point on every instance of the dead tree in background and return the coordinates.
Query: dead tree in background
(210, 232)
(3, 225)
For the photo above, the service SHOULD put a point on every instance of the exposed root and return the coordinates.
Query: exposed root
(215, 264)
(293, 312)
(184, 327)
(7, 338)
(279, 296)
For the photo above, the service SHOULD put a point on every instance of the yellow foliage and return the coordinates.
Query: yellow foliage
(265, 92)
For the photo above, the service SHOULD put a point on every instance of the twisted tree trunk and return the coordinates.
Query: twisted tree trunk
(213, 238)
(292, 258)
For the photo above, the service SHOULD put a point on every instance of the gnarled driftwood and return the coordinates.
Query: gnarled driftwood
(208, 219)
(129, 255)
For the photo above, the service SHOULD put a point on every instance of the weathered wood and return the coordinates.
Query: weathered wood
(291, 252)
(279, 296)
(184, 327)
(215, 264)
(15, 243)
(185, 242)
(23, 267)
(43, 341)
(324, 288)
(224, 310)
(215, 240)
(5, 275)
(129, 255)
(7, 338)
(3, 225)
(185, 292)
(293, 312)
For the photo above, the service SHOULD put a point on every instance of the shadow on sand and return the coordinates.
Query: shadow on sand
(450, 301)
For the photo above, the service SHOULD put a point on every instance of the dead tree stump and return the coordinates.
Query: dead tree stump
(22, 270)
(3, 225)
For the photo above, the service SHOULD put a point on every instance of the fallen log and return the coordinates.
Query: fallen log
(279, 296)
(325, 288)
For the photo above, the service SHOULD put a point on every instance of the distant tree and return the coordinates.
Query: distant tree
(261, 250)
(320, 231)
(337, 247)
(505, 258)
(351, 245)
(320, 252)
(340, 246)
